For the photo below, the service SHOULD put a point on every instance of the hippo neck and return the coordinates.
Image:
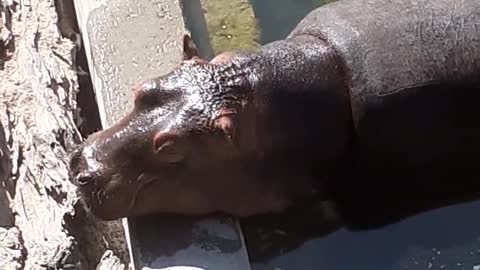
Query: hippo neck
(303, 109)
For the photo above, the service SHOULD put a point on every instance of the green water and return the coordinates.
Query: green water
(231, 24)
(241, 24)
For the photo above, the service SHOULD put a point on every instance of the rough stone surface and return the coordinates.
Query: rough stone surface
(39, 221)
(109, 261)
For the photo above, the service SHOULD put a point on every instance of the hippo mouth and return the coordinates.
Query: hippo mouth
(115, 200)
(144, 182)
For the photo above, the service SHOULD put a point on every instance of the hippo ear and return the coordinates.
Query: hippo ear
(190, 50)
(166, 147)
(226, 122)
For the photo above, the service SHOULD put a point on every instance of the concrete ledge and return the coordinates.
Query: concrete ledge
(126, 41)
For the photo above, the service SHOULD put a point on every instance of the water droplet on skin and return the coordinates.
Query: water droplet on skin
(224, 26)
(229, 36)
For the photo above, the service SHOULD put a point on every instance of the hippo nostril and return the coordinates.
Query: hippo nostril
(84, 179)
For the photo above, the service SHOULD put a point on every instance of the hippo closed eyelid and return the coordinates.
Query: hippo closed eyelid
(145, 97)
(163, 139)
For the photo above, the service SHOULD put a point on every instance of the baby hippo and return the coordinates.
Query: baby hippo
(214, 137)
(372, 104)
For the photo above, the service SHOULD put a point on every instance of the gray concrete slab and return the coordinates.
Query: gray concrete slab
(126, 41)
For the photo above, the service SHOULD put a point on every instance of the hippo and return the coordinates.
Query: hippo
(370, 104)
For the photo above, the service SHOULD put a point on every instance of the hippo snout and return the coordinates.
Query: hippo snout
(82, 173)
(85, 179)
(101, 191)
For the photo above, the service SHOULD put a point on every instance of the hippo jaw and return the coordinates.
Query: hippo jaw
(229, 188)
(232, 184)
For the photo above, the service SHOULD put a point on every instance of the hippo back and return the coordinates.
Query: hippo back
(414, 78)
(392, 45)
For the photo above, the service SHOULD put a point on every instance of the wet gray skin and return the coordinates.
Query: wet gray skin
(196, 143)
(365, 103)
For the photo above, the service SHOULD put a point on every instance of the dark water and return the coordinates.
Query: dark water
(276, 18)
(446, 238)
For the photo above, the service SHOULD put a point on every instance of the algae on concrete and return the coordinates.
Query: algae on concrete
(231, 24)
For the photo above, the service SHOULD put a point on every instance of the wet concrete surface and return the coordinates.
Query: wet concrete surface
(126, 49)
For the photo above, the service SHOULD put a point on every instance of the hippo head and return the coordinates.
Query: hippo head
(189, 146)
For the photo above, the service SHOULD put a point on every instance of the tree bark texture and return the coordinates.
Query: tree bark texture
(41, 224)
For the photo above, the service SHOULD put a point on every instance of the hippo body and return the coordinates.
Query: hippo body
(413, 71)
(370, 104)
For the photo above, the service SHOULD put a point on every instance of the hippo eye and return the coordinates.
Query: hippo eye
(163, 140)
(166, 147)
(150, 94)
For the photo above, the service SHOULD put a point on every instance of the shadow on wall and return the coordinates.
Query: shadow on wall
(276, 18)
(6, 217)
